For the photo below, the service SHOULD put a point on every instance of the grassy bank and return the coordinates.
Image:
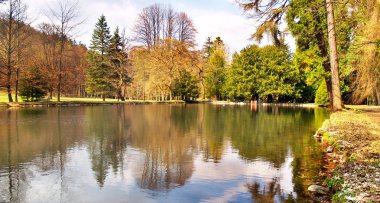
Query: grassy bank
(71, 101)
(351, 139)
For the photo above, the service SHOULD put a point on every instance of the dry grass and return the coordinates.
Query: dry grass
(357, 128)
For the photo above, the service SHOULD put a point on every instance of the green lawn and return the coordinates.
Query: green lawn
(4, 100)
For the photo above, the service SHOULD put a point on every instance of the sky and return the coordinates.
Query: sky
(212, 18)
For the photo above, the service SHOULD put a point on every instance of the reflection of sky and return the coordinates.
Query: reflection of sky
(210, 182)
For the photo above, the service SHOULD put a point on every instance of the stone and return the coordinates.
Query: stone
(318, 189)
(329, 149)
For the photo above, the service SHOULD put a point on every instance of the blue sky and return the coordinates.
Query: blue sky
(211, 17)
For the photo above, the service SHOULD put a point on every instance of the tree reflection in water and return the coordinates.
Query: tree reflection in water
(165, 149)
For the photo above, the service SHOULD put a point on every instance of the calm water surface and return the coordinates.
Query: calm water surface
(158, 153)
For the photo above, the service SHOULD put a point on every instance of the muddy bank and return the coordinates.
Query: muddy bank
(351, 144)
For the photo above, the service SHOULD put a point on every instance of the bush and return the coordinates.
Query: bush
(322, 96)
(33, 86)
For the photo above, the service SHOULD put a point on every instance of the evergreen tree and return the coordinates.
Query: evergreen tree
(33, 86)
(321, 96)
(186, 86)
(99, 74)
(262, 72)
(101, 37)
(216, 70)
(119, 62)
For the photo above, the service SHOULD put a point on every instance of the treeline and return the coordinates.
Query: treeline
(320, 27)
(161, 61)
(35, 62)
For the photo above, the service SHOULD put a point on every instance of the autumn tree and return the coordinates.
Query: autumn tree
(364, 54)
(11, 36)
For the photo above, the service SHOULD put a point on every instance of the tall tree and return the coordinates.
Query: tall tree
(99, 73)
(337, 104)
(157, 23)
(185, 29)
(65, 20)
(216, 70)
(120, 63)
(10, 41)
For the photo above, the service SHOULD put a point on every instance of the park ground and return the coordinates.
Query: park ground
(351, 141)
(68, 101)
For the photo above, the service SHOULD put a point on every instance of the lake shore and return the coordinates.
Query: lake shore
(351, 144)
(84, 103)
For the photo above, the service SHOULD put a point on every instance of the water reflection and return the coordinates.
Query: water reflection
(161, 153)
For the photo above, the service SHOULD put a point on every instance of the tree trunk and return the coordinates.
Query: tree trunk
(329, 90)
(17, 81)
(104, 97)
(336, 92)
(9, 88)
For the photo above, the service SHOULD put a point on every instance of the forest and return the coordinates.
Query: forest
(336, 60)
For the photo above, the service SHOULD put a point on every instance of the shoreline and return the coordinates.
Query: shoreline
(351, 152)
(141, 102)
(83, 103)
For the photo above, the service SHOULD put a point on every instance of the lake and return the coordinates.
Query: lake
(159, 153)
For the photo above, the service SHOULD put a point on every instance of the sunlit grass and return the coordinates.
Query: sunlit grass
(4, 99)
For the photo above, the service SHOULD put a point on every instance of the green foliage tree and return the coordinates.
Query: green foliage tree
(119, 62)
(33, 86)
(186, 86)
(322, 96)
(262, 73)
(216, 70)
(99, 74)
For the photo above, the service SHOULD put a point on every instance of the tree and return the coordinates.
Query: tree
(364, 54)
(269, 15)
(156, 23)
(118, 51)
(307, 22)
(185, 29)
(216, 70)
(33, 86)
(321, 96)
(65, 21)
(10, 39)
(99, 73)
(186, 86)
(262, 73)
(337, 104)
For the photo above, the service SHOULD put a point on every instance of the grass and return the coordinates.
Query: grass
(73, 100)
(355, 135)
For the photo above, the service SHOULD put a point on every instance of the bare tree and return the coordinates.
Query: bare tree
(10, 39)
(156, 23)
(185, 29)
(170, 17)
(65, 20)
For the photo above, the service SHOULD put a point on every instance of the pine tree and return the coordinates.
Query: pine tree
(99, 74)
(119, 62)
(101, 37)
